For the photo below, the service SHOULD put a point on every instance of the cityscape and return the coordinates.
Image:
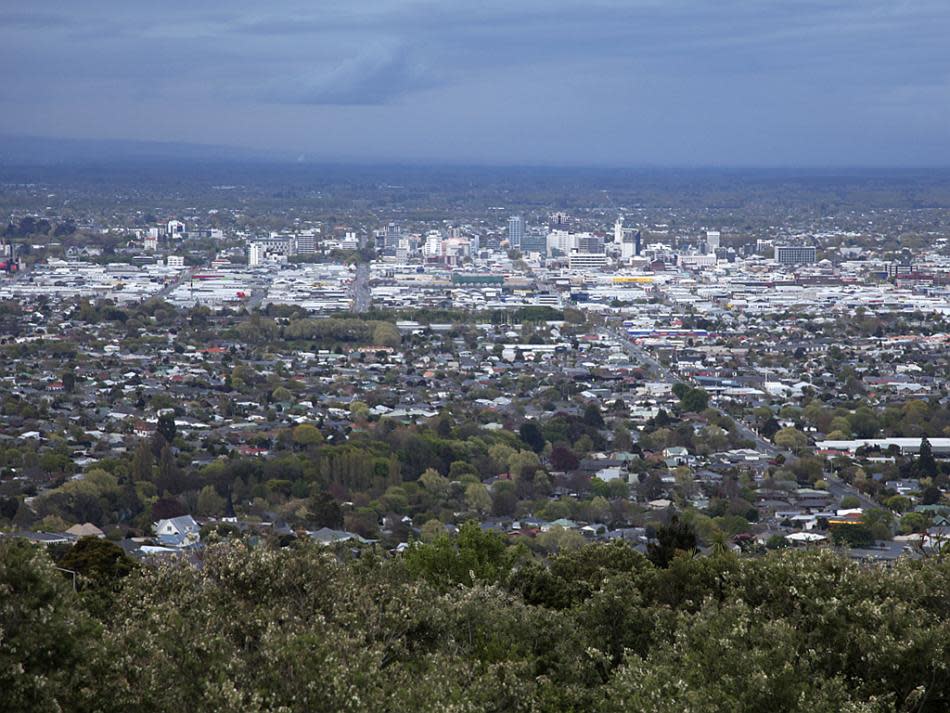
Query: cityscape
(415, 358)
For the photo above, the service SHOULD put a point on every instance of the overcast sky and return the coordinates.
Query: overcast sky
(600, 82)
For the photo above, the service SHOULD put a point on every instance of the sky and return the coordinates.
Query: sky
(563, 82)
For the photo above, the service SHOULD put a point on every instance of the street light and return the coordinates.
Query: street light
(75, 574)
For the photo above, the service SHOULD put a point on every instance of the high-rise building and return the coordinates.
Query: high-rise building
(712, 241)
(432, 248)
(515, 231)
(587, 243)
(560, 242)
(629, 244)
(306, 243)
(393, 233)
(795, 254)
(535, 241)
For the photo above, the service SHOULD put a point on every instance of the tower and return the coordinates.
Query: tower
(515, 231)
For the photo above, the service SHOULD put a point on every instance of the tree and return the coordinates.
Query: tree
(791, 439)
(435, 485)
(100, 563)
(563, 458)
(622, 440)
(559, 539)
(326, 510)
(142, 462)
(306, 435)
(926, 465)
(593, 417)
(675, 537)
(472, 556)
(166, 427)
(281, 394)
(385, 334)
(858, 535)
(695, 400)
(477, 498)
(45, 635)
(930, 496)
(530, 433)
(431, 530)
(209, 502)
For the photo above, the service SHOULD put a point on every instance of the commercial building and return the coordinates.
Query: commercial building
(306, 243)
(795, 254)
(515, 231)
(534, 241)
(586, 261)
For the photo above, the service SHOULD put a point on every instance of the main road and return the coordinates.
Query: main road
(642, 356)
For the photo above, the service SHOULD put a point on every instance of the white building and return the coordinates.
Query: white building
(515, 231)
(586, 261)
(175, 261)
(432, 247)
(560, 241)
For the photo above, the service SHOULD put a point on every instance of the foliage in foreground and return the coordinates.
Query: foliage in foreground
(601, 628)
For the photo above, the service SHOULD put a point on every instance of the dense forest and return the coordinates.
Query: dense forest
(470, 623)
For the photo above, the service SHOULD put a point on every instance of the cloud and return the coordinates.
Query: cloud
(376, 75)
(727, 80)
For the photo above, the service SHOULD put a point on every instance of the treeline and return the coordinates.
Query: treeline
(471, 624)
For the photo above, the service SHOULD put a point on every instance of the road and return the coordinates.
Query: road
(360, 289)
(183, 277)
(836, 486)
(641, 356)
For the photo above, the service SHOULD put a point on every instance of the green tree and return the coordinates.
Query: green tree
(671, 539)
(307, 435)
(46, 637)
(385, 334)
(166, 427)
(209, 502)
(926, 465)
(791, 439)
(477, 498)
(530, 433)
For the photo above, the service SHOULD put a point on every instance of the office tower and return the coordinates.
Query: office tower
(535, 241)
(587, 243)
(560, 242)
(515, 231)
(629, 244)
(306, 243)
(795, 254)
(712, 241)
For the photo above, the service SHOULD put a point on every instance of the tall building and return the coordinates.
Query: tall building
(432, 247)
(560, 242)
(587, 243)
(795, 254)
(306, 243)
(618, 231)
(535, 241)
(515, 231)
(629, 244)
(393, 233)
(712, 241)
